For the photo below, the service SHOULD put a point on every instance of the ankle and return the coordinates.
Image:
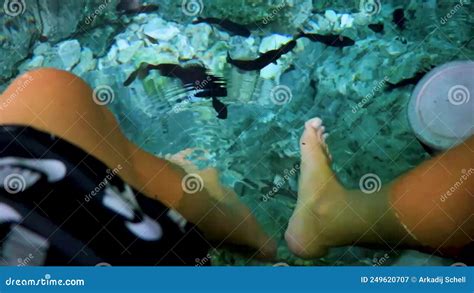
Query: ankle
(379, 225)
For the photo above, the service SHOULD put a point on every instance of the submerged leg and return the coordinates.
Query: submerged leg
(327, 214)
(405, 212)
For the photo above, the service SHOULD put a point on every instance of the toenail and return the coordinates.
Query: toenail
(316, 123)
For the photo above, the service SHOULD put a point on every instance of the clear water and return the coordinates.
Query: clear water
(256, 147)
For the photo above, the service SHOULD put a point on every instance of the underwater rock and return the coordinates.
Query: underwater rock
(186, 51)
(200, 35)
(42, 48)
(346, 21)
(396, 49)
(53, 21)
(280, 16)
(270, 71)
(331, 16)
(57, 20)
(155, 55)
(273, 42)
(127, 52)
(86, 64)
(160, 30)
(323, 24)
(99, 39)
(16, 35)
(35, 62)
(70, 53)
(60, 19)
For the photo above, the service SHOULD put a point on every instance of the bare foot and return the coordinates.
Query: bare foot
(265, 246)
(321, 218)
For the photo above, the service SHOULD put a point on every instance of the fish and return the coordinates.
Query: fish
(207, 85)
(134, 7)
(290, 68)
(43, 38)
(264, 59)
(398, 18)
(220, 108)
(408, 81)
(191, 75)
(227, 25)
(376, 27)
(152, 40)
(328, 40)
(195, 78)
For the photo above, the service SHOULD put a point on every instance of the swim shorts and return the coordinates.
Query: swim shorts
(61, 206)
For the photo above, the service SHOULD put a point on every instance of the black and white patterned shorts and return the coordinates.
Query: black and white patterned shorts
(61, 206)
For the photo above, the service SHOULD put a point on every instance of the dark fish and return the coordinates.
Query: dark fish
(328, 40)
(398, 18)
(227, 25)
(409, 81)
(290, 68)
(43, 39)
(134, 7)
(152, 40)
(128, 4)
(220, 108)
(313, 85)
(376, 27)
(264, 59)
(194, 78)
(205, 84)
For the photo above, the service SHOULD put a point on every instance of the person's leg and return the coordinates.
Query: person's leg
(328, 215)
(62, 104)
(435, 201)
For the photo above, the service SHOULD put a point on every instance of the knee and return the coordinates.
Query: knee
(49, 76)
(51, 82)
